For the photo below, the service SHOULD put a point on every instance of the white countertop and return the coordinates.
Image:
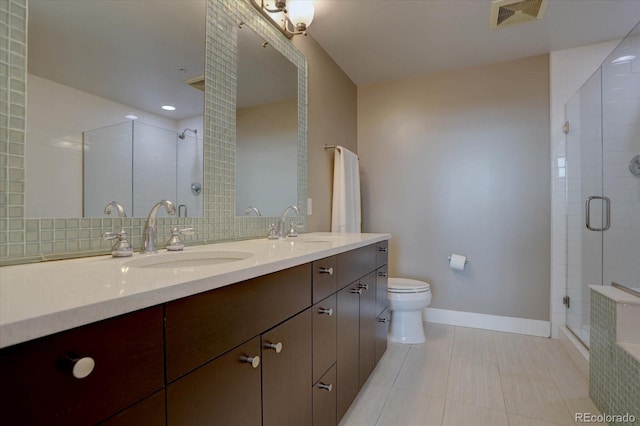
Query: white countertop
(44, 298)
(616, 294)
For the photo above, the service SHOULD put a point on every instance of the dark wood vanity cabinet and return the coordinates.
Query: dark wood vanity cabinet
(288, 348)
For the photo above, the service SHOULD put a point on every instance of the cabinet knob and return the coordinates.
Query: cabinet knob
(275, 346)
(328, 387)
(363, 287)
(383, 249)
(326, 270)
(81, 367)
(356, 291)
(326, 311)
(382, 320)
(382, 274)
(253, 360)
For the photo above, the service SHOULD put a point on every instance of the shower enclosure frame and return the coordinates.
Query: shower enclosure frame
(602, 193)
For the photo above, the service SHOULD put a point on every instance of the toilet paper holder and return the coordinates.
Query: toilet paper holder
(465, 261)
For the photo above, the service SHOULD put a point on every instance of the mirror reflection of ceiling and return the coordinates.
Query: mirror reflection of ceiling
(266, 75)
(119, 43)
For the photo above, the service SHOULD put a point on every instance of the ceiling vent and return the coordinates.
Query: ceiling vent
(507, 12)
(196, 82)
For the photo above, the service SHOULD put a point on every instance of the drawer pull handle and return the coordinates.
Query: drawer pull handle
(383, 274)
(383, 249)
(328, 387)
(326, 270)
(382, 320)
(82, 367)
(275, 346)
(253, 360)
(356, 291)
(326, 311)
(363, 286)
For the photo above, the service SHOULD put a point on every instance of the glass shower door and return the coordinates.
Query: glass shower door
(586, 206)
(621, 148)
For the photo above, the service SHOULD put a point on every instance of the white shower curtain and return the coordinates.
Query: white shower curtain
(345, 216)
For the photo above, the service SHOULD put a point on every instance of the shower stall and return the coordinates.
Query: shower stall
(603, 182)
(138, 164)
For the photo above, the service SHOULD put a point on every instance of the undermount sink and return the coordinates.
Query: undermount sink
(185, 259)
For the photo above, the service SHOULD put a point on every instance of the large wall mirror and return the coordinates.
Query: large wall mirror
(99, 75)
(266, 128)
(90, 64)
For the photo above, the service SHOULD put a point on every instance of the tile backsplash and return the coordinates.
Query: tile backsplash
(30, 240)
(614, 382)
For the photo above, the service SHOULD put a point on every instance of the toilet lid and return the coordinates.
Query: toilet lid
(406, 285)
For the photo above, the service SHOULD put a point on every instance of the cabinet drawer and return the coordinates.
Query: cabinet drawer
(324, 278)
(226, 391)
(202, 327)
(39, 386)
(382, 253)
(324, 400)
(149, 412)
(355, 264)
(324, 336)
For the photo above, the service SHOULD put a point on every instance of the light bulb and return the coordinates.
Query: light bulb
(300, 12)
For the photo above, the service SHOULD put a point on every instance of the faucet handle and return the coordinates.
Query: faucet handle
(175, 243)
(273, 232)
(293, 231)
(121, 248)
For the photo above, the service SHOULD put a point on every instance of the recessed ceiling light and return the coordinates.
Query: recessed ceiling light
(131, 117)
(623, 59)
(168, 107)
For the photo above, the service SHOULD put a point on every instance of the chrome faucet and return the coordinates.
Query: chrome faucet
(149, 233)
(282, 223)
(109, 208)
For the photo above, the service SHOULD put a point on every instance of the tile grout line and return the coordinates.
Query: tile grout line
(390, 387)
(504, 400)
(446, 391)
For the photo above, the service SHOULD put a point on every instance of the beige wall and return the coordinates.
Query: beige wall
(332, 120)
(266, 157)
(459, 162)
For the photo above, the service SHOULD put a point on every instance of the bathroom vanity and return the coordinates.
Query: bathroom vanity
(285, 336)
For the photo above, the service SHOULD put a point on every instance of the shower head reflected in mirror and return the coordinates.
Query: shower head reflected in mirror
(181, 135)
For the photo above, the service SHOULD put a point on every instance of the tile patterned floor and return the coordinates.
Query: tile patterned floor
(464, 376)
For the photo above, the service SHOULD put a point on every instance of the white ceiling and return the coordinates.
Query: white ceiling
(378, 40)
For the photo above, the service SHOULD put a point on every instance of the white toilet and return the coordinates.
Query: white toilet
(407, 299)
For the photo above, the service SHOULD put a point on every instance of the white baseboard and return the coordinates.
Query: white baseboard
(489, 322)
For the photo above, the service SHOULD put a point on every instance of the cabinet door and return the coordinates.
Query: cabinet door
(226, 391)
(347, 346)
(367, 327)
(286, 372)
(324, 399)
(382, 253)
(355, 264)
(324, 336)
(382, 329)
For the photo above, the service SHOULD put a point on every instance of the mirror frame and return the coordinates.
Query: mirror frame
(33, 240)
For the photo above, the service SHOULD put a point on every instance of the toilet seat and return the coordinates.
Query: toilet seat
(406, 285)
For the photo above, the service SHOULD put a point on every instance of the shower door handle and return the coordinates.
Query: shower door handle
(607, 213)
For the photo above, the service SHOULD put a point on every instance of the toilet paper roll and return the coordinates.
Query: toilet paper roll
(457, 262)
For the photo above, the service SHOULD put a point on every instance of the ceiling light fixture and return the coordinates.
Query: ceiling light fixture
(131, 117)
(168, 107)
(623, 60)
(291, 17)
